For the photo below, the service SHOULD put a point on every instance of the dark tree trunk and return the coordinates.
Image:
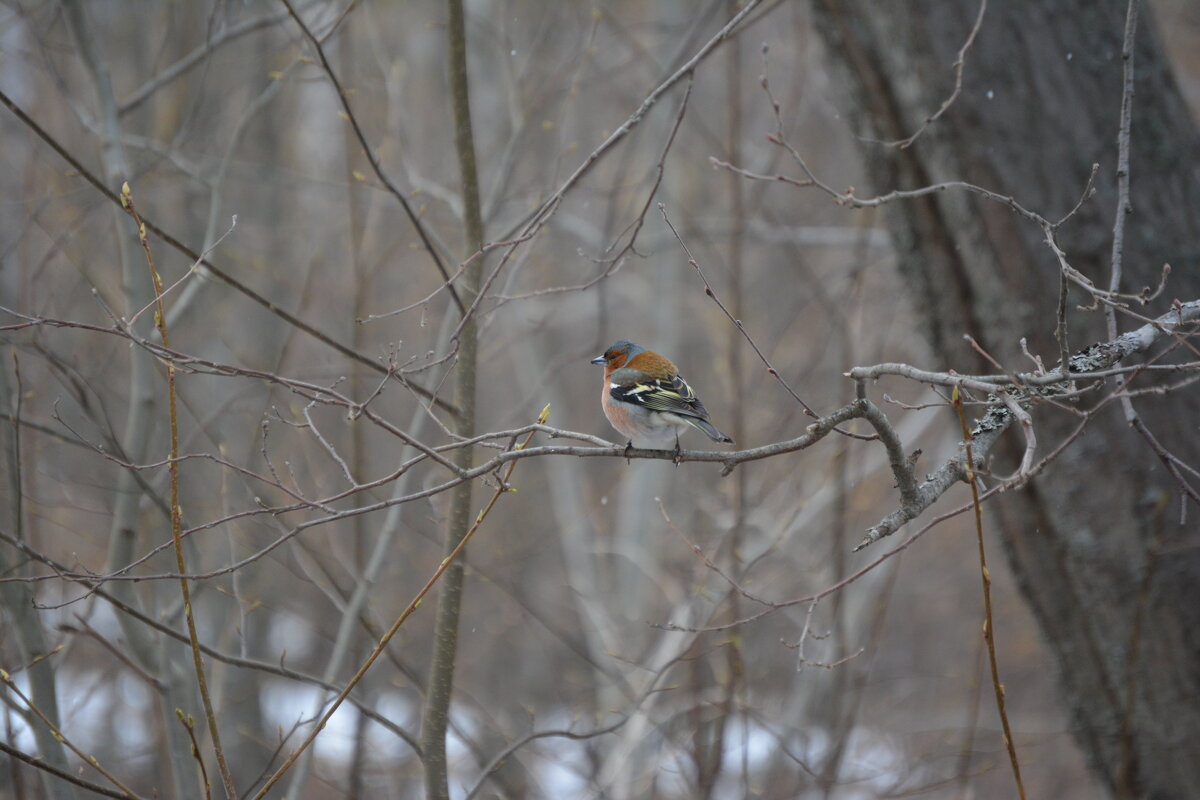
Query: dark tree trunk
(1096, 543)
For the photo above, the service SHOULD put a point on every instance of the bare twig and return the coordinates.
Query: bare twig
(959, 64)
(1089, 190)
(245, 663)
(193, 270)
(160, 322)
(613, 263)
(737, 323)
(699, 553)
(1124, 208)
(806, 633)
(91, 761)
(901, 463)
(373, 159)
(224, 276)
(1060, 325)
(40, 763)
(404, 615)
(503, 755)
(843, 582)
(165, 76)
(189, 725)
(328, 447)
(1097, 357)
(547, 209)
(988, 621)
(1014, 407)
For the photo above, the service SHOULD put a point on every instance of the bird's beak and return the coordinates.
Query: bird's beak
(599, 360)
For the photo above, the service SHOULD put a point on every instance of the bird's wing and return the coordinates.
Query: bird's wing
(671, 394)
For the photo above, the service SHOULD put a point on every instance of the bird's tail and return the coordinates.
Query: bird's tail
(709, 430)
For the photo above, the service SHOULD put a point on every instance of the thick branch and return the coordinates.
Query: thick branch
(1095, 358)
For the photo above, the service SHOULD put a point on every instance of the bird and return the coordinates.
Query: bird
(648, 402)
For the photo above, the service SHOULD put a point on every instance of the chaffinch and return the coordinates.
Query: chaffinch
(647, 401)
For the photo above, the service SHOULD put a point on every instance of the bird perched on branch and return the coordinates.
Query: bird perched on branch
(647, 401)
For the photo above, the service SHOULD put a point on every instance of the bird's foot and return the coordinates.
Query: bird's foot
(628, 451)
(678, 454)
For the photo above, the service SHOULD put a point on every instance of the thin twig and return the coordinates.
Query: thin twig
(1060, 326)
(168, 74)
(329, 448)
(160, 322)
(699, 553)
(613, 263)
(1124, 208)
(224, 276)
(958, 65)
(373, 159)
(38, 762)
(547, 209)
(193, 270)
(189, 725)
(806, 633)
(92, 761)
(235, 661)
(1022, 416)
(988, 622)
(334, 704)
(504, 754)
(737, 323)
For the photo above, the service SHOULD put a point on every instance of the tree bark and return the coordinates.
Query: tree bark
(1097, 543)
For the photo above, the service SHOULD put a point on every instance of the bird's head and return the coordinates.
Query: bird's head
(618, 355)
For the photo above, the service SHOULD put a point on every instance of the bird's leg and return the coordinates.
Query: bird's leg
(628, 450)
(678, 453)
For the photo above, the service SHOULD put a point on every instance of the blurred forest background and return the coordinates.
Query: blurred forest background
(595, 652)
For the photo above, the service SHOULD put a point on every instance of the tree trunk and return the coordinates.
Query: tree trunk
(436, 716)
(1097, 543)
